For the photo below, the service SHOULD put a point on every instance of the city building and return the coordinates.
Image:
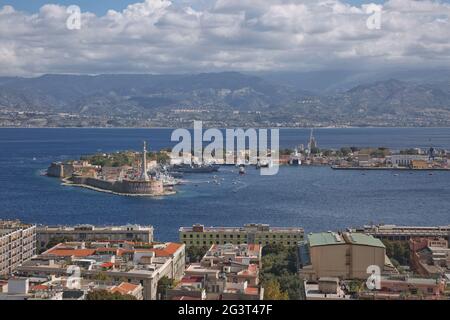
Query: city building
(403, 233)
(407, 288)
(430, 256)
(326, 288)
(262, 234)
(112, 262)
(226, 272)
(45, 234)
(17, 245)
(342, 255)
(405, 160)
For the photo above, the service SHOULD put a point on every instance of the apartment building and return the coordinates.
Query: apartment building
(226, 272)
(200, 236)
(17, 245)
(92, 233)
(114, 262)
(403, 233)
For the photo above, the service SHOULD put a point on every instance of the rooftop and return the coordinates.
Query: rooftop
(88, 227)
(332, 238)
(247, 227)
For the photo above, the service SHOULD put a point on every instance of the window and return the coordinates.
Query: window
(190, 236)
(184, 236)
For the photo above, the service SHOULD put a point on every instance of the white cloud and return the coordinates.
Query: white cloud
(158, 36)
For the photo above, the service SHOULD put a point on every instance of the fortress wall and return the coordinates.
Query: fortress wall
(125, 186)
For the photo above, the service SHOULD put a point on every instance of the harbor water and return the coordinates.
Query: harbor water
(316, 198)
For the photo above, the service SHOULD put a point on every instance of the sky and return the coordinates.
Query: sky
(100, 7)
(190, 36)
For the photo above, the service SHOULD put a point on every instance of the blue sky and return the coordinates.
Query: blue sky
(101, 6)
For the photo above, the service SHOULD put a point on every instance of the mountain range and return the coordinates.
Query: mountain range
(277, 99)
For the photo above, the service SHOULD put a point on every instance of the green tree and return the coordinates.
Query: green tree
(163, 284)
(272, 291)
(195, 254)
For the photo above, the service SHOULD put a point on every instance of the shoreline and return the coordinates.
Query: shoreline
(388, 169)
(235, 127)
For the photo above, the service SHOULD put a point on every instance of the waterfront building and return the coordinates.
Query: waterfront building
(405, 160)
(17, 245)
(403, 233)
(200, 236)
(114, 262)
(93, 233)
(342, 255)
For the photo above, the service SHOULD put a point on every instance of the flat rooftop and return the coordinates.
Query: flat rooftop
(259, 228)
(129, 228)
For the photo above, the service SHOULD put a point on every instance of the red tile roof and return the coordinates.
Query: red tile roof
(107, 265)
(252, 290)
(71, 252)
(39, 287)
(169, 249)
(125, 288)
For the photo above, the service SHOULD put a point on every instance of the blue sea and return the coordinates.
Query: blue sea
(316, 198)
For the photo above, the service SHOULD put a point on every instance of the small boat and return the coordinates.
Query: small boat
(241, 170)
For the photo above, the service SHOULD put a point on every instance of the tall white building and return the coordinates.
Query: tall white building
(17, 245)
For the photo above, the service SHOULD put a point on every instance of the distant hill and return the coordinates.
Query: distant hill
(409, 102)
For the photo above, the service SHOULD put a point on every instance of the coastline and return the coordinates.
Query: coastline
(388, 169)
